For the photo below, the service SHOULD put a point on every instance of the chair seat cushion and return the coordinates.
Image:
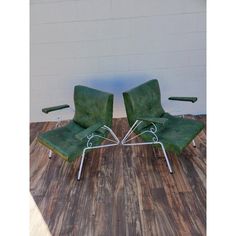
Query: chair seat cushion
(176, 134)
(63, 141)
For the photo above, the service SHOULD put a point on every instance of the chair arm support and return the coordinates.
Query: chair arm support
(54, 108)
(184, 99)
(80, 136)
(161, 121)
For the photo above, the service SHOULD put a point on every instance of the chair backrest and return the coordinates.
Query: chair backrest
(143, 100)
(92, 106)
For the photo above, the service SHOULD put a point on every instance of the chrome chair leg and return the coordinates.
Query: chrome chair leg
(166, 158)
(56, 126)
(81, 165)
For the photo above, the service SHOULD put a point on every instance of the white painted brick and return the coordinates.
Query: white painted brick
(191, 41)
(86, 65)
(167, 59)
(190, 6)
(134, 8)
(52, 33)
(120, 28)
(99, 48)
(53, 12)
(113, 64)
(157, 25)
(93, 9)
(50, 66)
(122, 46)
(157, 7)
(55, 50)
(122, 8)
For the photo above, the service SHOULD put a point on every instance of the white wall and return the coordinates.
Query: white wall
(114, 45)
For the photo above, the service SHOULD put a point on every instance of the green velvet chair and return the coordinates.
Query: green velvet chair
(148, 120)
(89, 128)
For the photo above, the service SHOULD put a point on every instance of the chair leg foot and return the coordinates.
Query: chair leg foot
(81, 166)
(193, 142)
(50, 154)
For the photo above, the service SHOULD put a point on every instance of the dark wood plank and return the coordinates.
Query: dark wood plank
(34, 130)
(123, 190)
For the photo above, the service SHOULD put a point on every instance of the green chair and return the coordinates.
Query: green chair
(148, 120)
(89, 128)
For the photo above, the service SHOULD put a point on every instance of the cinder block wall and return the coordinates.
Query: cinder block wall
(114, 45)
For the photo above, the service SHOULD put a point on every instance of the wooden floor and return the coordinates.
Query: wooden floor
(123, 190)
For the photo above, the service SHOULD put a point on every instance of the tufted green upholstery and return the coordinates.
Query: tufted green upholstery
(93, 108)
(145, 101)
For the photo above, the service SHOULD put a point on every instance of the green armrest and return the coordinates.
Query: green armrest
(184, 99)
(55, 108)
(161, 121)
(80, 136)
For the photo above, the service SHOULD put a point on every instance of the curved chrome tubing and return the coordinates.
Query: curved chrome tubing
(152, 131)
(90, 146)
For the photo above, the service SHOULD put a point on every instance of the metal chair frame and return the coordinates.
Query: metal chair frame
(153, 131)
